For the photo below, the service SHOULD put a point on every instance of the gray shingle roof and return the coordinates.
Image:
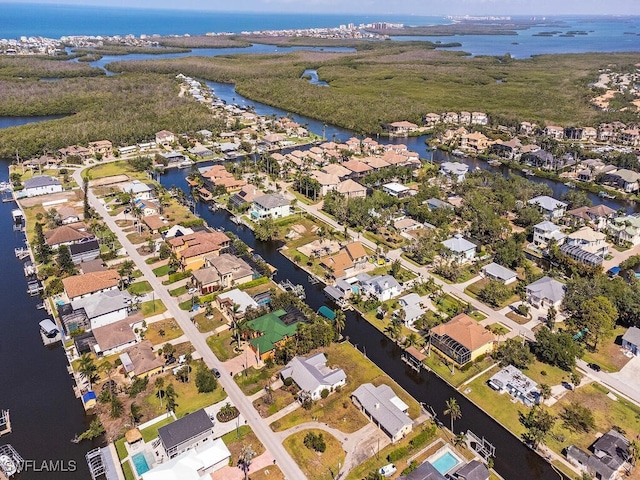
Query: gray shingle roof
(474, 470)
(547, 288)
(185, 428)
(272, 200)
(498, 271)
(377, 402)
(41, 181)
(426, 471)
(632, 335)
(311, 373)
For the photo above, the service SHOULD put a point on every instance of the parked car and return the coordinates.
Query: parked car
(387, 470)
(594, 366)
(192, 291)
(170, 360)
(216, 372)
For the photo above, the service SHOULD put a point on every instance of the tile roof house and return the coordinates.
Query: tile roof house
(351, 189)
(460, 249)
(192, 249)
(357, 168)
(327, 181)
(222, 271)
(165, 137)
(67, 234)
(337, 169)
(114, 337)
(338, 265)
(545, 293)
(597, 216)
(41, 185)
(356, 252)
(609, 459)
(462, 339)
(384, 408)
(313, 375)
(186, 433)
(80, 286)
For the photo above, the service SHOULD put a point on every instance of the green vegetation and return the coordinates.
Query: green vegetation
(153, 307)
(313, 463)
(139, 288)
(44, 67)
(151, 432)
(222, 345)
(128, 472)
(163, 331)
(162, 271)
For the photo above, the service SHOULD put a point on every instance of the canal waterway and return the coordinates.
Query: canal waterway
(34, 383)
(6, 122)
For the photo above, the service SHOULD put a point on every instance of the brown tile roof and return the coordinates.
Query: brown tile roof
(114, 334)
(355, 250)
(357, 166)
(337, 263)
(154, 222)
(466, 331)
(349, 186)
(66, 234)
(143, 358)
(79, 285)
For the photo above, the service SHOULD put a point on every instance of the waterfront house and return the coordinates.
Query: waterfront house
(274, 205)
(77, 151)
(351, 189)
(357, 253)
(235, 303)
(114, 337)
(201, 151)
(474, 470)
(40, 185)
(597, 217)
(271, 331)
(80, 286)
(541, 159)
(138, 190)
(165, 137)
(550, 208)
(498, 273)
(631, 340)
(401, 129)
(425, 471)
(507, 149)
(431, 119)
(192, 249)
(186, 433)
(589, 240)
(517, 384)
(177, 231)
(545, 232)
(218, 176)
(67, 215)
(455, 170)
(194, 464)
(173, 157)
(625, 229)
(609, 459)
(101, 147)
(460, 249)
(67, 235)
(338, 265)
(546, 293)
(626, 180)
(461, 339)
(84, 251)
(313, 375)
(105, 307)
(382, 287)
(384, 408)
(147, 207)
(141, 361)
(220, 272)
(474, 141)
(412, 307)
(245, 196)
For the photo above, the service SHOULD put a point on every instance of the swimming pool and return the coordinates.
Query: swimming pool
(140, 462)
(445, 462)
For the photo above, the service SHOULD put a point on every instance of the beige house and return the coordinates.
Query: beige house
(462, 339)
(351, 189)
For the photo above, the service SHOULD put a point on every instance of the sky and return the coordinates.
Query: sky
(403, 7)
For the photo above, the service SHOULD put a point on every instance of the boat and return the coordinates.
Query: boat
(603, 194)
(298, 290)
(7, 465)
(528, 172)
(570, 185)
(457, 153)
(185, 164)
(494, 163)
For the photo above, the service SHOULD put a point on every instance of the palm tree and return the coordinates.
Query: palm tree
(411, 340)
(460, 440)
(171, 395)
(246, 456)
(159, 383)
(453, 410)
(88, 368)
(545, 391)
(340, 321)
(106, 366)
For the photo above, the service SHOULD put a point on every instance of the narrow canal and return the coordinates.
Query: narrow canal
(513, 460)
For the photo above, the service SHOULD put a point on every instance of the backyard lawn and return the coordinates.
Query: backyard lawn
(315, 465)
(439, 365)
(609, 355)
(337, 410)
(139, 288)
(151, 432)
(163, 331)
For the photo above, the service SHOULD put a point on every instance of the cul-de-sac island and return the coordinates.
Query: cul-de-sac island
(433, 274)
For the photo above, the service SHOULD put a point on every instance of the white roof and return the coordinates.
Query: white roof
(395, 187)
(240, 298)
(135, 187)
(547, 226)
(456, 168)
(172, 232)
(547, 203)
(459, 244)
(498, 271)
(187, 465)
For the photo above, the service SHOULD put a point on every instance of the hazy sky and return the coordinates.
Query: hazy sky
(417, 7)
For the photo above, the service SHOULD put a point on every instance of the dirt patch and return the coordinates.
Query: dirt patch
(61, 197)
(101, 182)
(300, 229)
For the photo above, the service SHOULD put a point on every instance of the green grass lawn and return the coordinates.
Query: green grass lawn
(112, 168)
(151, 432)
(281, 398)
(478, 315)
(315, 465)
(222, 345)
(252, 380)
(162, 271)
(128, 471)
(152, 307)
(235, 439)
(205, 324)
(139, 288)
(609, 355)
(121, 449)
(163, 331)
(178, 291)
(436, 363)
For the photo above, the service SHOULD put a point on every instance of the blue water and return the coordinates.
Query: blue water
(55, 21)
(140, 462)
(6, 122)
(445, 462)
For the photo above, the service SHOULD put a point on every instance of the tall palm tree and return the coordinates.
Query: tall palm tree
(340, 321)
(159, 384)
(88, 368)
(453, 410)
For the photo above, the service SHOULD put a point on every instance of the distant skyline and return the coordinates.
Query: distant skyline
(401, 7)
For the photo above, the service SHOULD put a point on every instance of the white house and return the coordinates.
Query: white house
(631, 340)
(41, 185)
(193, 464)
(383, 287)
(546, 293)
(396, 189)
(625, 229)
(589, 240)
(104, 308)
(550, 208)
(384, 408)
(313, 375)
(456, 170)
(519, 386)
(462, 250)
(496, 272)
(412, 306)
(138, 190)
(272, 205)
(546, 231)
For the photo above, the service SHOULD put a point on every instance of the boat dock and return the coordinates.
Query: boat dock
(21, 253)
(287, 286)
(5, 422)
(414, 358)
(11, 462)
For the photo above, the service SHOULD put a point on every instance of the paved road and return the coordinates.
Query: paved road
(198, 340)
